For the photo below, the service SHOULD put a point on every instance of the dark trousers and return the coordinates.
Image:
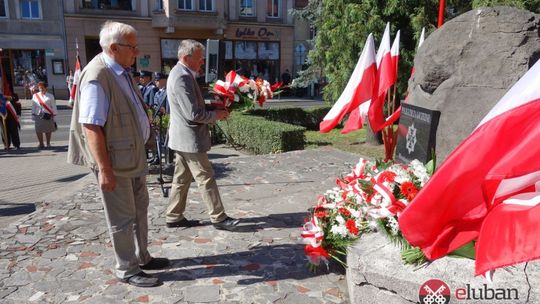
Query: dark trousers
(12, 130)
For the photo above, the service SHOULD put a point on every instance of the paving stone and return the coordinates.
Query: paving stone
(5, 291)
(27, 240)
(221, 270)
(54, 254)
(20, 278)
(202, 294)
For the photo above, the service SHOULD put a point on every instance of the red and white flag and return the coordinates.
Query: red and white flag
(420, 42)
(422, 37)
(358, 90)
(394, 54)
(486, 188)
(76, 76)
(384, 80)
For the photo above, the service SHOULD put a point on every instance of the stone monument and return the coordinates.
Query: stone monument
(466, 66)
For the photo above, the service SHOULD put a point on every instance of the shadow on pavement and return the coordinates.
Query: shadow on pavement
(280, 220)
(218, 155)
(254, 224)
(261, 263)
(9, 209)
(71, 178)
(31, 151)
(220, 170)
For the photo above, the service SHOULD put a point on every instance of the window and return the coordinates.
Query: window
(108, 4)
(273, 8)
(29, 67)
(3, 8)
(30, 9)
(206, 5)
(246, 8)
(185, 5)
(253, 59)
(158, 5)
(300, 54)
(268, 50)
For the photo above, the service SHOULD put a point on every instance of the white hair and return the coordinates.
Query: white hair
(114, 32)
(188, 46)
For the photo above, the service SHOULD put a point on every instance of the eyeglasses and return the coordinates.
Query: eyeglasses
(132, 47)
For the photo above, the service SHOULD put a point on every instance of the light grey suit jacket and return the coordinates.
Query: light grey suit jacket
(188, 130)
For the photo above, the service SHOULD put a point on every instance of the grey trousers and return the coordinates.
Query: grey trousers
(187, 167)
(126, 212)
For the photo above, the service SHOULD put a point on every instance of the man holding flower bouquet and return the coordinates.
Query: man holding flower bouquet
(189, 137)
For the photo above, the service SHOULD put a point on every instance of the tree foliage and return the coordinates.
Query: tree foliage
(342, 27)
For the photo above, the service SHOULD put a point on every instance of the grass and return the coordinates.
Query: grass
(354, 142)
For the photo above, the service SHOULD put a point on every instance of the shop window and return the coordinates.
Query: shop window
(245, 50)
(247, 8)
(253, 59)
(3, 9)
(29, 67)
(273, 8)
(228, 50)
(30, 9)
(108, 4)
(206, 5)
(185, 5)
(268, 50)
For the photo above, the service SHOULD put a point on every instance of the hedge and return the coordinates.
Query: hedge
(259, 135)
(309, 118)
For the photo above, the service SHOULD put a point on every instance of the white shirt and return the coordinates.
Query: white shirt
(94, 105)
(48, 99)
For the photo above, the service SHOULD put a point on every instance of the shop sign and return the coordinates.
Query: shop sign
(262, 33)
(49, 52)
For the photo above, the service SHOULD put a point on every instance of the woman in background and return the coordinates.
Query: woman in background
(43, 112)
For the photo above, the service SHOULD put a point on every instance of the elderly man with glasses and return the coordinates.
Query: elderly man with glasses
(109, 129)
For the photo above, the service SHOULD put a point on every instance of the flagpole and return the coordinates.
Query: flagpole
(441, 13)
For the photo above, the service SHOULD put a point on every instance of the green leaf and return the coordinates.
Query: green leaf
(466, 251)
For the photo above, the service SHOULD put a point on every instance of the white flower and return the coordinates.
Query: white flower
(355, 213)
(339, 230)
(393, 225)
(340, 220)
(244, 89)
(372, 224)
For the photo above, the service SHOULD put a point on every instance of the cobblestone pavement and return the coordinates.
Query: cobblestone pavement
(62, 253)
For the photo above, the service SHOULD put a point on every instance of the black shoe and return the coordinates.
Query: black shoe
(229, 224)
(156, 263)
(184, 223)
(142, 279)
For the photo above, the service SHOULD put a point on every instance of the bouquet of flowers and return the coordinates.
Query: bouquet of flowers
(238, 92)
(371, 197)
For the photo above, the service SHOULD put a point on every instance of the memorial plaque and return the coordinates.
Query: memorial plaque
(416, 134)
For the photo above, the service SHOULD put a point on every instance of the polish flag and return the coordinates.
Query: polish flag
(385, 73)
(386, 59)
(420, 42)
(76, 76)
(394, 53)
(487, 189)
(358, 90)
(422, 37)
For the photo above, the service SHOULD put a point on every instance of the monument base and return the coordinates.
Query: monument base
(376, 274)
